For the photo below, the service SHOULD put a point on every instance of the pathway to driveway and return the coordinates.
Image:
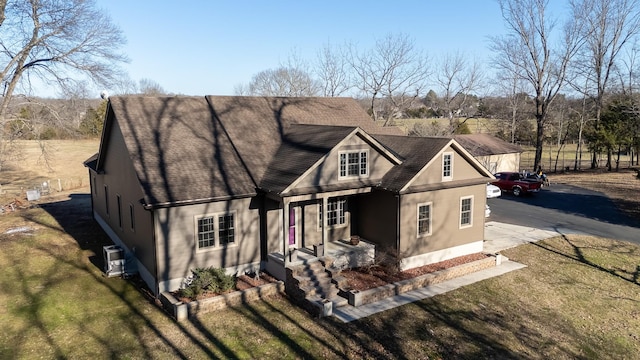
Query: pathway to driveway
(498, 237)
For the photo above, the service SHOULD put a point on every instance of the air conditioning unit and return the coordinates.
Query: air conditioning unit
(113, 260)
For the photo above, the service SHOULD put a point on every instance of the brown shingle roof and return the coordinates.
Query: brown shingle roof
(179, 152)
(485, 144)
(416, 152)
(257, 124)
(301, 147)
(187, 149)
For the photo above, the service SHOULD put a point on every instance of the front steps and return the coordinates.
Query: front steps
(313, 286)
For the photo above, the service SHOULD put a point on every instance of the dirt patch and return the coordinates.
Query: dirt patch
(365, 278)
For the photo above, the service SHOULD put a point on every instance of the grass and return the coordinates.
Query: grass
(62, 166)
(578, 298)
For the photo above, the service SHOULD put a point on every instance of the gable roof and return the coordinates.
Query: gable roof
(302, 146)
(251, 120)
(417, 152)
(188, 149)
(178, 150)
(485, 144)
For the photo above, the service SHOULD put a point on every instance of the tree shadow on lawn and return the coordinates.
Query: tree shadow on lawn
(579, 255)
(576, 201)
(74, 215)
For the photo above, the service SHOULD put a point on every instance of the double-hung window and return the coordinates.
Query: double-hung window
(466, 208)
(215, 230)
(447, 166)
(424, 219)
(354, 164)
(335, 213)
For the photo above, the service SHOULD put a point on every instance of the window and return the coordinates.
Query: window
(466, 207)
(447, 166)
(354, 164)
(216, 230)
(106, 199)
(226, 231)
(132, 217)
(335, 213)
(424, 219)
(118, 200)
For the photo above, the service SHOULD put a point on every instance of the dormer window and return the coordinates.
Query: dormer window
(447, 166)
(354, 164)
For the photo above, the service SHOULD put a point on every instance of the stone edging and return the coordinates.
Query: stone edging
(181, 311)
(357, 298)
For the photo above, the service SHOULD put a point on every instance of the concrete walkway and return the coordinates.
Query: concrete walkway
(498, 237)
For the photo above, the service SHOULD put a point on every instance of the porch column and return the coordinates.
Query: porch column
(289, 250)
(325, 243)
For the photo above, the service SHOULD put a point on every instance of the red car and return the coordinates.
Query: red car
(516, 183)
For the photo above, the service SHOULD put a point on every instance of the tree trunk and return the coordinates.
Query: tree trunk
(539, 140)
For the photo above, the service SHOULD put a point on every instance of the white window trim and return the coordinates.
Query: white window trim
(470, 224)
(430, 205)
(337, 226)
(216, 229)
(450, 177)
(359, 176)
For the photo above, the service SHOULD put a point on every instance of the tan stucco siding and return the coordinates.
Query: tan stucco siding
(312, 232)
(177, 246)
(377, 218)
(461, 170)
(500, 163)
(328, 171)
(120, 180)
(274, 226)
(445, 220)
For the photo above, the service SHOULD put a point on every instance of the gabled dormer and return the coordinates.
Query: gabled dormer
(314, 158)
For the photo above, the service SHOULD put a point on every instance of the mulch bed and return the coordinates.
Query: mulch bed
(243, 282)
(365, 278)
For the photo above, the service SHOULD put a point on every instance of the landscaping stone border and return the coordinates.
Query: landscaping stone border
(182, 311)
(357, 298)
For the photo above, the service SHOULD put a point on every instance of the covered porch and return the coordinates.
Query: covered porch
(318, 225)
(344, 255)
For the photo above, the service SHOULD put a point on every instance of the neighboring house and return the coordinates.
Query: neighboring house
(248, 183)
(495, 154)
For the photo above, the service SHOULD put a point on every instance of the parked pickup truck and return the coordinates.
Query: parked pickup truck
(516, 183)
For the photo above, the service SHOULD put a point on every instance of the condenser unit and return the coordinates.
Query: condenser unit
(113, 260)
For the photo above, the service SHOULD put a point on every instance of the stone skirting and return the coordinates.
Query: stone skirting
(182, 311)
(357, 298)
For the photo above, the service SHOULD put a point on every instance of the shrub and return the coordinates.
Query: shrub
(207, 280)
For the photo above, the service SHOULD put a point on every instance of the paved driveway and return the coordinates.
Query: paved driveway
(566, 209)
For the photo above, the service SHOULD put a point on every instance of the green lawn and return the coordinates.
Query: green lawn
(579, 297)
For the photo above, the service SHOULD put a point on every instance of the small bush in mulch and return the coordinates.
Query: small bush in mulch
(210, 282)
(207, 280)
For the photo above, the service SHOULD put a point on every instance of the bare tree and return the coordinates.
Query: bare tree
(150, 87)
(332, 71)
(457, 79)
(511, 86)
(56, 41)
(527, 52)
(626, 71)
(283, 81)
(609, 26)
(394, 70)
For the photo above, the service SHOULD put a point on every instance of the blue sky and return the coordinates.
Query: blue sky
(209, 47)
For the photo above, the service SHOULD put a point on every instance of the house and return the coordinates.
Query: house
(247, 183)
(495, 154)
